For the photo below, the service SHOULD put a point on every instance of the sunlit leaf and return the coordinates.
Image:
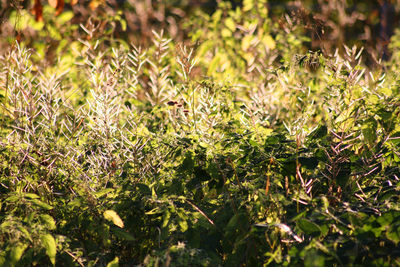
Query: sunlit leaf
(49, 244)
(48, 221)
(112, 216)
(183, 225)
(30, 195)
(16, 253)
(65, 17)
(230, 24)
(226, 33)
(248, 5)
(269, 41)
(114, 263)
(246, 41)
(41, 204)
(103, 192)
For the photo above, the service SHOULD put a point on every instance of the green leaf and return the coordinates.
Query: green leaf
(12, 198)
(226, 33)
(384, 114)
(269, 41)
(217, 16)
(16, 253)
(314, 259)
(31, 196)
(343, 176)
(65, 17)
(41, 204)
(246, 41)
(20, 20)
(166, 217)
(25, 232)
(289, 167)
(369, 130)
(114, 263)
(187, 163)
(213, 65)
(248, 5)
(123, 24)
(48, 221)
(395, 138)
(49, 244)
(393, 234)
(309, 163)
(122, 234)
(230, 24)
(308, 227)
(183, 225)
(144, 189)
(386, 218)
(202, 174)
(112, 216)
(318, 133)
(387, 194)
(103, 192)
(153, 211)
(3, 259)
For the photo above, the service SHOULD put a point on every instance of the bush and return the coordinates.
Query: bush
(242, 149)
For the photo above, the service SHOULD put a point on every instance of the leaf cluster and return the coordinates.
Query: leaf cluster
(241, 150)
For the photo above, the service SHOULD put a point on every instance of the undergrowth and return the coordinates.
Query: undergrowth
(240, 150)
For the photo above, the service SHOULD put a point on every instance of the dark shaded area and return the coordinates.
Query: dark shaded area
(332, 24)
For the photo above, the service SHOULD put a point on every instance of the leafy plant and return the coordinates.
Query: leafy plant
(242, 149)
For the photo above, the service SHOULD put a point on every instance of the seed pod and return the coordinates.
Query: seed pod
(171, 103)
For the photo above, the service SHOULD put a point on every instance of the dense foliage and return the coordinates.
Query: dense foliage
(238, 148)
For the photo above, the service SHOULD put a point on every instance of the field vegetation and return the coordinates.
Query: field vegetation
(221, 138)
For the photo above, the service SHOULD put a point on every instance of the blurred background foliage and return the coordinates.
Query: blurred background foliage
(50, 25)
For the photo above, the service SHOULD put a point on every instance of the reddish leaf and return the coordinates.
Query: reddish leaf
(18, 37)
(38, 10)
(59, 7)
